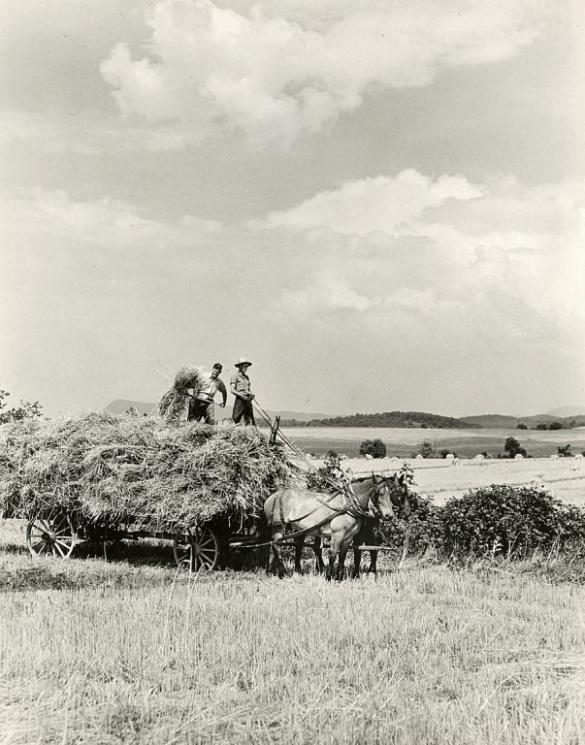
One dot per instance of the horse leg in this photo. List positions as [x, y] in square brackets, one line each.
[318, 554]
[346, 536]
[299, 543]
[373, 561]
[357, 558]
[333, 552]
[341, 563]
[277, 565]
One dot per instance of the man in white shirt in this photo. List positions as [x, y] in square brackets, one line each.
[201, 404]
[242, 390]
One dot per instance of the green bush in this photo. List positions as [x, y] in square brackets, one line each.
[426, 449]
[375, 448]
[513, 447]
[424, 527]
[510, 521]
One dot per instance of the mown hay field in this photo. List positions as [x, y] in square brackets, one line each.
[403, 441]
[564, 478]
[92, 652]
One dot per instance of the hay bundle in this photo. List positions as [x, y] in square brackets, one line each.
[138, 469]
[173, 404]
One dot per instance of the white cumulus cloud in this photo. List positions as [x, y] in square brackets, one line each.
[386, 204]
[277, 70]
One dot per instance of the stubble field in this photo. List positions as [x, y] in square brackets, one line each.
[109, 653]
[402, 441]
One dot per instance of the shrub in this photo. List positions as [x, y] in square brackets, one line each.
[555, 425]
[513, 448]
[502, 519]
[521, 425]
[426, 449]
[375, 448]
[26, 410]
[564, 451]
[424, 527]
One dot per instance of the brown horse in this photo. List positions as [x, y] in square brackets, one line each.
[337, 516]
[398, 483]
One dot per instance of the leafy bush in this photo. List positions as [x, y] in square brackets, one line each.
[424, 528]
[375, 448]
[555, 425]
[513, 448]
[426, 449]
[564, 451]
[26, 410]
[502, 519]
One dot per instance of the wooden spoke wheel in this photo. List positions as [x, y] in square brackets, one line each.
[196, 549]
[54, 535]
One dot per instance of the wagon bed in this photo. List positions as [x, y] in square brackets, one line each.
[203, 545]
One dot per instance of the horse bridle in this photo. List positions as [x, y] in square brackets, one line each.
[377, 487]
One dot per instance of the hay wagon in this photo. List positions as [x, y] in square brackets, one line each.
[102, 479]
[218, 542]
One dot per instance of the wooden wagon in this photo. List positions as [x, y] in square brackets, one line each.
[208, 545]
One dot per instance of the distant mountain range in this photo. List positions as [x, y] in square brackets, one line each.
[393, 419]
[414, 419]
[121, 405]
[501, 421]
[436, 421]
[570, 411]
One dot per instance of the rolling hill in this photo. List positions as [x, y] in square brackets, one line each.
[409, 419]
[121, 405]
[415, 419]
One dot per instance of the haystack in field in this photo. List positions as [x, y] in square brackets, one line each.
[122, 468]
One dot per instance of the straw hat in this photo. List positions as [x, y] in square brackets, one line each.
[243, 361]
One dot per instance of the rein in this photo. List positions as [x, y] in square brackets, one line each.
[353, 509]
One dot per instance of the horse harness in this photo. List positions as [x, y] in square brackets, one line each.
[353, 509]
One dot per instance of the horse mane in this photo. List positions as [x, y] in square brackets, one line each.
[362, 478]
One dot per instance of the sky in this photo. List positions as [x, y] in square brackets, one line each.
[380, 203]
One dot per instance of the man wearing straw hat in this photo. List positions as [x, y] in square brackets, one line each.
[241, 388]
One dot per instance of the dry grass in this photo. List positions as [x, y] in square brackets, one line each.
[120, 467]
[117, 653]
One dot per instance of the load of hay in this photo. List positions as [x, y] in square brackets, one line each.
[175, 402]
[122, 468]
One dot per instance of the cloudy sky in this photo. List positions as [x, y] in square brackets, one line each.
[381, 202]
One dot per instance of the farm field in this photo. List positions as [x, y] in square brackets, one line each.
[109, 653]
[401, 442]
[563, 477]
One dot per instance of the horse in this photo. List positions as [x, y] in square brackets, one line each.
[367, 534]
[337, 516]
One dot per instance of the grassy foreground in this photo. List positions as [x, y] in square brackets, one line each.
[111, 653]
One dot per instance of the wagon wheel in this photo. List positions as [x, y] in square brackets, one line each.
[54, 535]
[197, 548]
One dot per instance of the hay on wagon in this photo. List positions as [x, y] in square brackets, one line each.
[122, 468]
